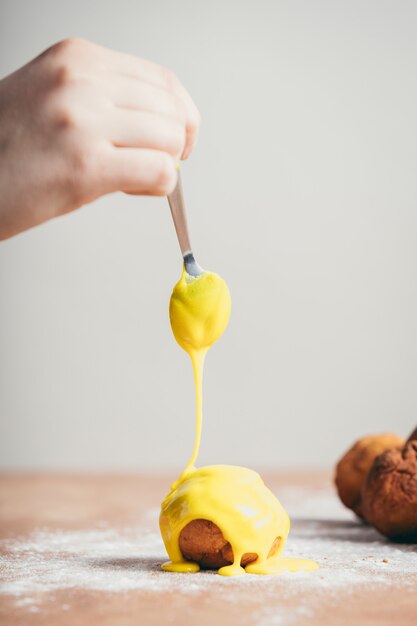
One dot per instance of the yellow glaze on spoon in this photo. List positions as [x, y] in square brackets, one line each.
[234, 498]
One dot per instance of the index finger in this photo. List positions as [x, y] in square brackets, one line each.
[147, 71]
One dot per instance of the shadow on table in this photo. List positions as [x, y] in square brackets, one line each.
[343, 530]
[143, 564]
[326, 529]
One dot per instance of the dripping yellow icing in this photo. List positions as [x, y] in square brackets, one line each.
[199, 311]
[235, 499]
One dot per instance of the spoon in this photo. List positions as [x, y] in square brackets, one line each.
[177, 206]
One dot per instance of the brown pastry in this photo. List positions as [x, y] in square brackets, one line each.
[202, 542]
[353, 467]
[389, 493]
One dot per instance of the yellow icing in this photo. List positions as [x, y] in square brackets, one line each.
[199, 311]
[234, 498]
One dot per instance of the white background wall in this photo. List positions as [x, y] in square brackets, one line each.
[302, 194]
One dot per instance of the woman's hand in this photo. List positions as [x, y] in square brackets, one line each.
[81, 121]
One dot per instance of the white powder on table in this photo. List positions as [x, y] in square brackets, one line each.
[121, 560]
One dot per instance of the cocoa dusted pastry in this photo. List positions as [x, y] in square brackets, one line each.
[354, 466]
[389, 495]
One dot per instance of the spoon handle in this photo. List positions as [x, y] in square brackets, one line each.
[177, 206]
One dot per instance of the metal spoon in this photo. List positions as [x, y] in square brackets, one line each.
[177, 206]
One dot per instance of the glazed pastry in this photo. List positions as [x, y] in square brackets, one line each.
[220, 516]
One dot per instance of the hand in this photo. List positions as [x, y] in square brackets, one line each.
[81, 121]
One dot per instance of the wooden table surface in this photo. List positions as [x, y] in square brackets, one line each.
[85, 549]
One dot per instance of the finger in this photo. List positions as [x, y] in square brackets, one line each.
[169, 98]
[192, 124]
[139, 171]
[141, 129]
[126, 92]
[142, 69]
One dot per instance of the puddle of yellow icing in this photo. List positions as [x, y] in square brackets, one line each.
[234, 498]
[182, 567]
